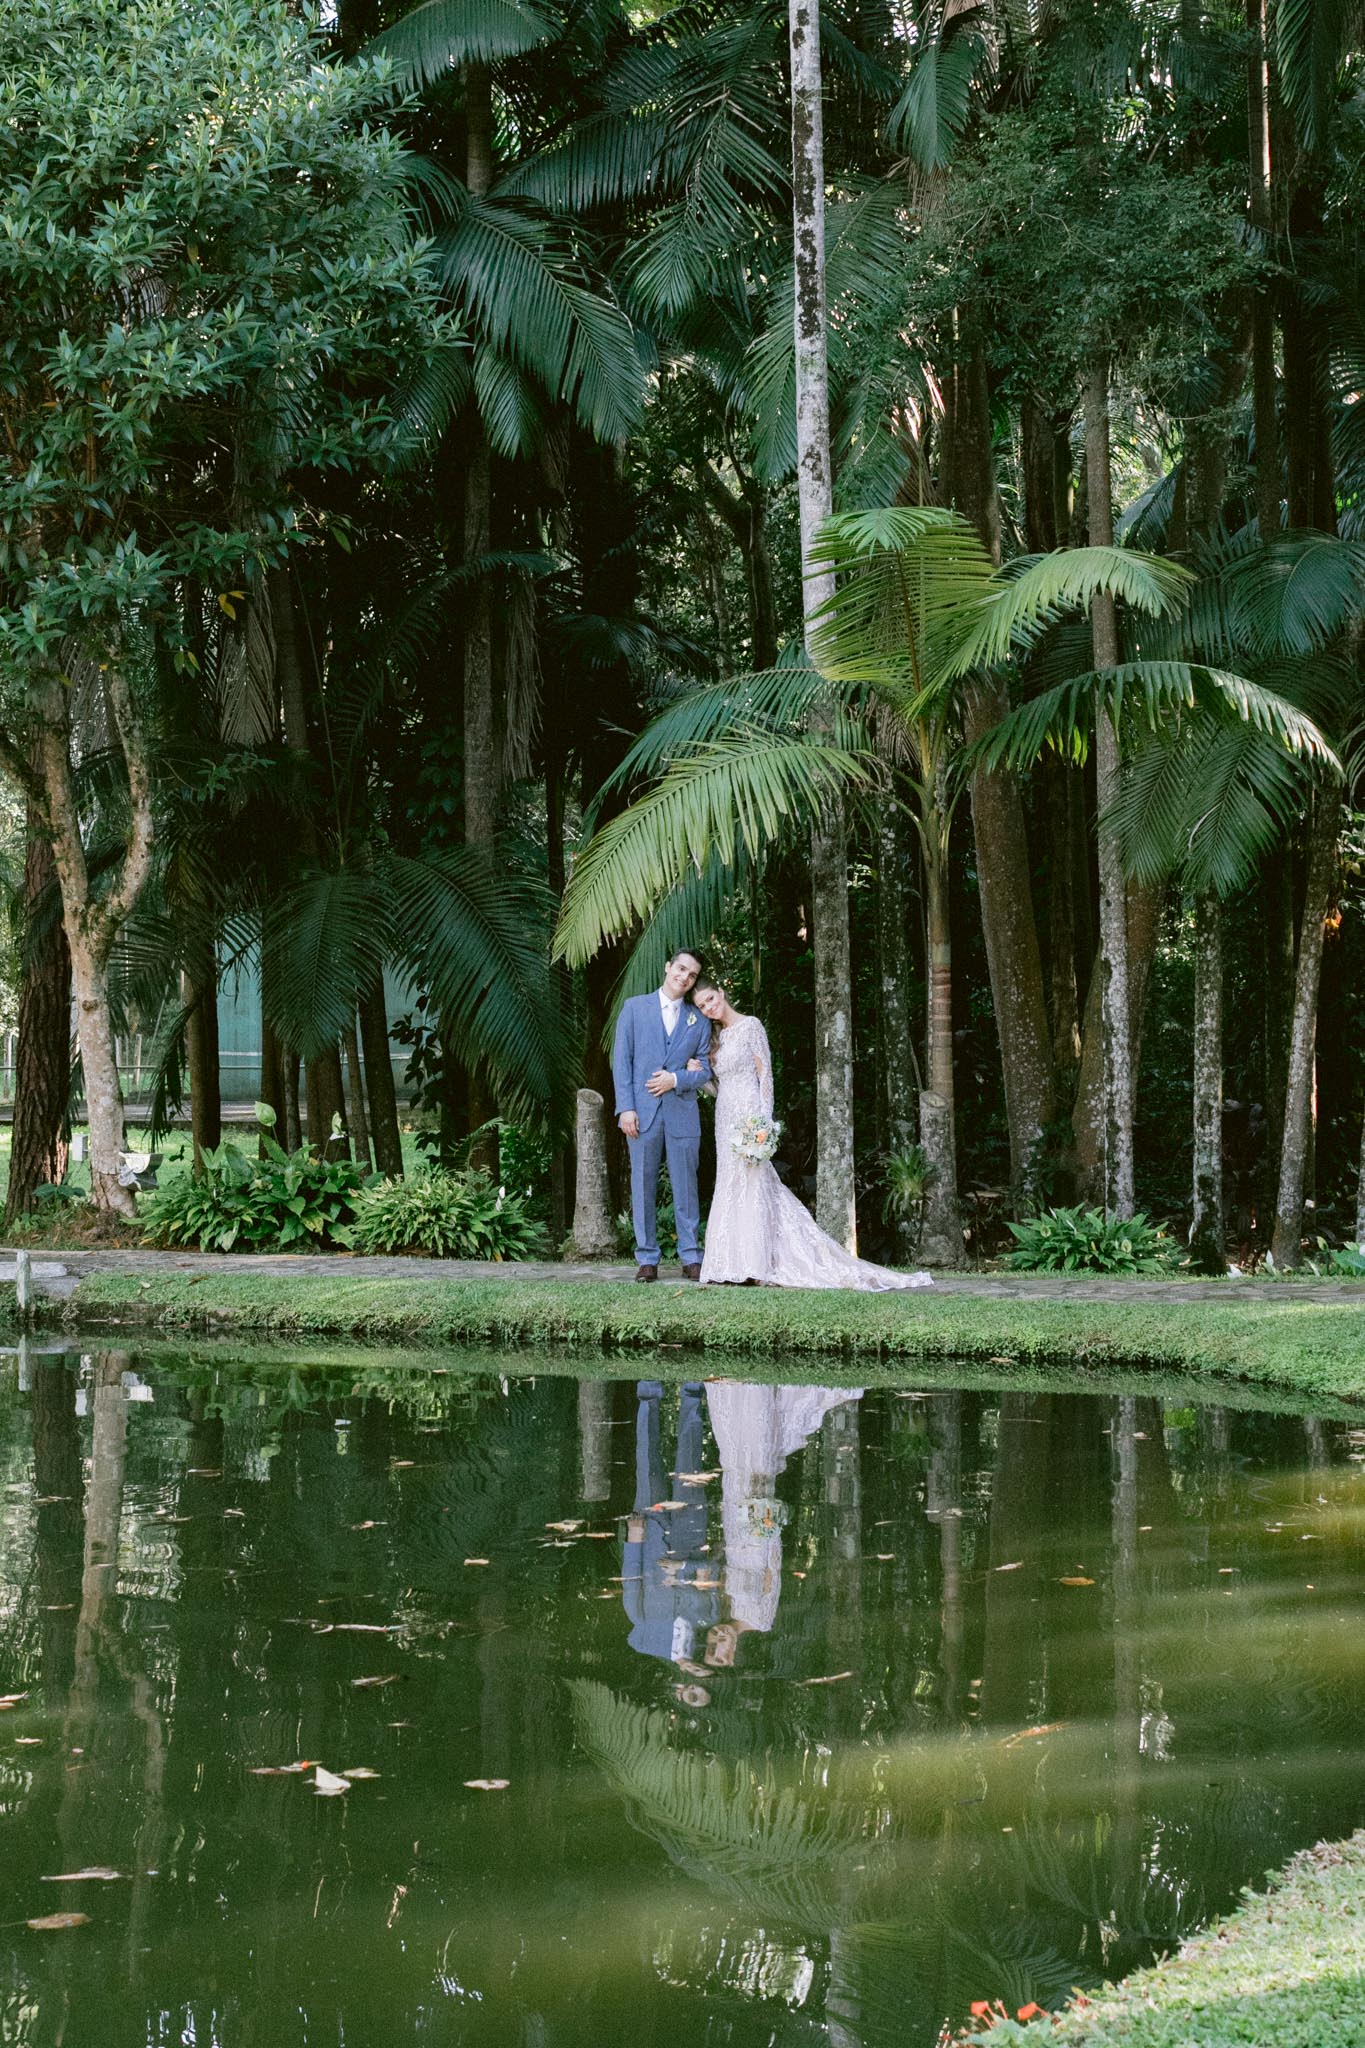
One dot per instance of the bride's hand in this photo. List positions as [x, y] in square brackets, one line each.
[694, 1066]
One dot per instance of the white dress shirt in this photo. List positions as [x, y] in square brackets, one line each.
[670, 1005]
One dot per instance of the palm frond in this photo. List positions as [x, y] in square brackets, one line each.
[475, 939]
[930, 117]
[1312, 38]
[435, 38]
[1293, 594]
[1205, 805]
[1140, 697]
[325, 939]
[732, 793]
[509, 404]
[523, 288]
[780, 699]
[1042, 589]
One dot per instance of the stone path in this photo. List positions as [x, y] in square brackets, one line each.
[58, 1273]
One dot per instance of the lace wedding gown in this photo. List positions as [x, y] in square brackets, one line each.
[757, 1230]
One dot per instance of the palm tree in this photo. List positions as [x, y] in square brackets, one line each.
[918, 609]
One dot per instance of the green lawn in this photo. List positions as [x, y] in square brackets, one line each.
[1286, 1971]
[1300, 1345]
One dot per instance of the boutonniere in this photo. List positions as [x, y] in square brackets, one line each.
[691, 1019]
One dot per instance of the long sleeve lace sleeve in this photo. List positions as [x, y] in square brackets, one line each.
[763, 1068]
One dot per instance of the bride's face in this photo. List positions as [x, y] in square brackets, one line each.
[711, 1003]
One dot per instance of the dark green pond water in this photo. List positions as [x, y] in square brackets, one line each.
[730, 1714]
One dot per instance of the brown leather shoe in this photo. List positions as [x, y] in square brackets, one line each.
[691, 1272]
[646, 1272]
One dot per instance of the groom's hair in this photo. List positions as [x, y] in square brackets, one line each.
[683, 953]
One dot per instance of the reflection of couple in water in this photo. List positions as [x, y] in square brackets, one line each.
[685, 1606]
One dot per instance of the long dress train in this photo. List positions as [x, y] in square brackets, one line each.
[757, 1229]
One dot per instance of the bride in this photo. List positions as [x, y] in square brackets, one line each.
[757, 1231]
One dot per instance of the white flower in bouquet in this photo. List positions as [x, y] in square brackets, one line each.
[757, 1137]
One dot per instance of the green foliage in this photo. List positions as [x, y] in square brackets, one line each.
[908, 1174]
[282, 1202]
[210, 277]
[446, 1215]
[1085, 1241]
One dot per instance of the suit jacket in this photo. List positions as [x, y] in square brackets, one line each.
[641, 1049]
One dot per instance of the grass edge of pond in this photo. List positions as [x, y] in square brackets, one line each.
[1301, 1346]
[1288, 1967]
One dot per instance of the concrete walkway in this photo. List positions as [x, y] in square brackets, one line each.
[58, 1273]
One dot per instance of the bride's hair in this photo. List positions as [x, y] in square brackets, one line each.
[704, 986]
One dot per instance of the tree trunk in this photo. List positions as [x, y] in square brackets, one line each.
[901, 1077]
[1265, 422]
[93, 923]
[941, 1240]
[1119, 1201]
[383, 1099]
[594, 1235]
[481, 755]
[1318, 896]
[1208, 1239]
[1144, 908]
[1003, 868]
[835, 1205]
[325, 1097]
[201, 1053]
[1360, 1192]
[41, 1136]
[1062, 792]
[357, 1121]
[293, 1121]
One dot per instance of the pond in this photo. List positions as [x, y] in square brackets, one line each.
[720, 1713]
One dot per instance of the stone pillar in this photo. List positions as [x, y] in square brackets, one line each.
[594, 1235]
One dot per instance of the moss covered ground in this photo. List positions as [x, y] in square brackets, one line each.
[1301, 1346]
[1285, 1971]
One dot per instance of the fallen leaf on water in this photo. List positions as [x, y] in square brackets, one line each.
[279, 1770]
[203, 1471]
[329, 1784]
[663, 1507]
[1026, 1734]
[96, 1874]
[833, 1679]
[695, 1478]
[360, 1771]
[234, 1514]
[11, 1699]
[32, 1741]
[51, 1923]
[565, 1527]
[389, 1678]
[886, 1557]
[49, 1500]
[476, 1560]
[598, 1535]
[1017, 1566]
[58, 1606]
[488, 1784]
[369, 1525]
[1075, 1582]
[401, 1464]
[368, 1628]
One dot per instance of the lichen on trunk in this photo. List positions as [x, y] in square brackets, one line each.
[1208, 1246]
[1286, 1244]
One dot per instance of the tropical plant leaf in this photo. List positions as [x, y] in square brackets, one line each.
[438, 36]
[727, 794]
[324, 940]
[1040, 590]
[930, 117]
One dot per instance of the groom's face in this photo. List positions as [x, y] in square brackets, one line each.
[679, 975]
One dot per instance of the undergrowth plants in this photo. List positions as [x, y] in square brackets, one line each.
[446, 1213]
[1086, 1241]
[280, 1201]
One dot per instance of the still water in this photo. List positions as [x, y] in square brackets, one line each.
[676, 1714]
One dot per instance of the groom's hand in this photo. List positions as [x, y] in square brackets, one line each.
[662, 1081]
[629, 1123]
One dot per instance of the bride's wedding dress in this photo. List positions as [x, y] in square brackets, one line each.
[757, 1230]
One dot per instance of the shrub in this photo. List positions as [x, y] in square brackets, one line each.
[1085, 1241]
[446, 1214]
[282, 1202]
[1347, 1262]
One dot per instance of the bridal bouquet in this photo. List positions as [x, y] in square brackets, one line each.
[757, 1137]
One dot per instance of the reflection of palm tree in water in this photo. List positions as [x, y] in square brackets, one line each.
[665, 1545]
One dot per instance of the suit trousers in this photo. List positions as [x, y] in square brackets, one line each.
[646, 1154]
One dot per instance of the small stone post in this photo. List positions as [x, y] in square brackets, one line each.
[594, 1236]
[23, 1288]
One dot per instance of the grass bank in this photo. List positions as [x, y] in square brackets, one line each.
[1285, 1971]
[1301, 1346]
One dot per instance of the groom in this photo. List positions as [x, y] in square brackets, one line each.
[656, 1108]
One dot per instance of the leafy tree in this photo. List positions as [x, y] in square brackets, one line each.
[208, 258]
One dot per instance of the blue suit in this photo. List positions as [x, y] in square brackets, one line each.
[669, 1124]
